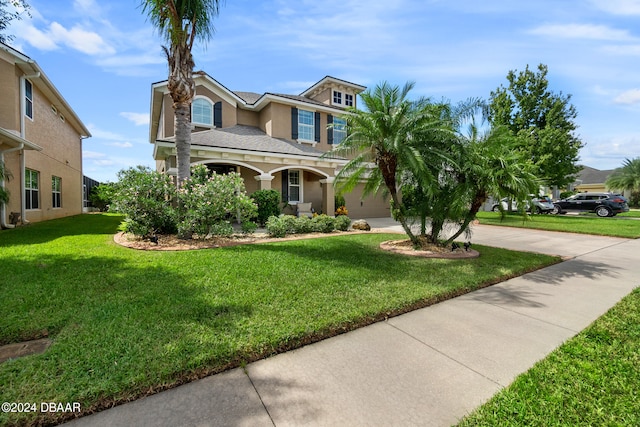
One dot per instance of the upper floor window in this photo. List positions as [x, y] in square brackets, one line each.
[202, 112]
[337, 97]
[306, 125]
[28, 99]
[348, 100]
[339, 130]
[31, 192]
[56, 192]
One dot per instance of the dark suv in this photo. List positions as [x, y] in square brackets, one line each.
[603, 204]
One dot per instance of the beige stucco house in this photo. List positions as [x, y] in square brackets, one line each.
[275, 141]
[40, 144]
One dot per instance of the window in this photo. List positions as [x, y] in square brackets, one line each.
[56, 192]
[337, 97]
[348, 100]
[294, 186]
[31, 189]
[339, 130]
[306, 125]
[202, 112]
[28, 99]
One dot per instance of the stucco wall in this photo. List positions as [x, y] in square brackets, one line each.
[370, 207]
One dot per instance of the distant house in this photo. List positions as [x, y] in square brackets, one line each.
[591, 180]
[40, 144]
[274, 140]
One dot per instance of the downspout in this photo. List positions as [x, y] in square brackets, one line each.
[23, 205]
[3, 208]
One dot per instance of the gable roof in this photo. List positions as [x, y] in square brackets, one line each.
[328, 80]
[590, 175]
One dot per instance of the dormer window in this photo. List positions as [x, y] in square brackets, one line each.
[337, 97]
[348, 100]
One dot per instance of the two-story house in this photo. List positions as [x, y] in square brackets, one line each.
[40, 144]
[275, 141]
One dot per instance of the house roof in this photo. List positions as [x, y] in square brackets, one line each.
[249, 138]
[31, 68]
[328, 80]
[590, 175]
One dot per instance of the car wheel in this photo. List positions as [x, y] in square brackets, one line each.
[603, 211]
[556, 210]
[495, 208]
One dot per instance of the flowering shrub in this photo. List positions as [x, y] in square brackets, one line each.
[342, 210]
[209, 204]
[144, 197]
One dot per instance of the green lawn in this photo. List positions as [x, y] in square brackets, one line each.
[616, 226]
[591, 380]
[127, 322]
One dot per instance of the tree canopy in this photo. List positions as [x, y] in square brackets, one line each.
[627, 177]
[11, 10]
[543, 121]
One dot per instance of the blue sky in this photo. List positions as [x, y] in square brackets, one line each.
[104, 56]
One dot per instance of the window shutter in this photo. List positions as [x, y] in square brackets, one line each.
[316, 132]
[217, 114]
[329, 129]
[294, 123]
[285, 185]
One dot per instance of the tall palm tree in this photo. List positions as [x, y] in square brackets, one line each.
[182, 22]
[382, 141]
[627, 177]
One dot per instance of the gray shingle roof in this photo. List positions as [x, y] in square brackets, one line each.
[590, 175]
[248, 97]
[251, 139]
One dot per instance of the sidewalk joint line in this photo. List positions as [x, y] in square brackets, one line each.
[445, 355]
[246, 372]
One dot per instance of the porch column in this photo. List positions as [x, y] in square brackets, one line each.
[265, 180]
[328, 196]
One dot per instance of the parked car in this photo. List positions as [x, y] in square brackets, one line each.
[541, 204]
[603, 204]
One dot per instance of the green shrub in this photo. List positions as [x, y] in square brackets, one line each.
[144, 197]
[249, 227]
[268, 202]
[323, 223]
[276, 226]
[207, 203]
[342, 223]
[566, 194]
[303, 224]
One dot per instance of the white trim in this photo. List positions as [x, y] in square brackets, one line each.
[301, 167]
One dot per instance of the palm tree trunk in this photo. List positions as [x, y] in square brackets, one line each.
[478, 200]
[183, 140]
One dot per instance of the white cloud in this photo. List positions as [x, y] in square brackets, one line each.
[629, 97]
[120, 144]
[92, 155]
[582, 31]
[79, 39]
[618, 7]
[139, 119]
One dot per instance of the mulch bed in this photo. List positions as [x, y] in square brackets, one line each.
[405, 247]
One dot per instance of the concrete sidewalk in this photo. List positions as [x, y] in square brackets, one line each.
[429, 367]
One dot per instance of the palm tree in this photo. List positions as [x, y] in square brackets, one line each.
[386, 136]
[182, 22]
[627, 177]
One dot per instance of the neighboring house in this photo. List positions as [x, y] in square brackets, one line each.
[275, 141]
[591, 180]
[40, 143]
[88, 185]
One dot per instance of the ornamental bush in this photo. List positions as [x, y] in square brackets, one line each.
[323, 223]
[144, 197]
[208, 204]
[342, 222]
[268, 202]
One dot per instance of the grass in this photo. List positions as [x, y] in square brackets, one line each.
[591, 380]
[126, 323]
[585, 224]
